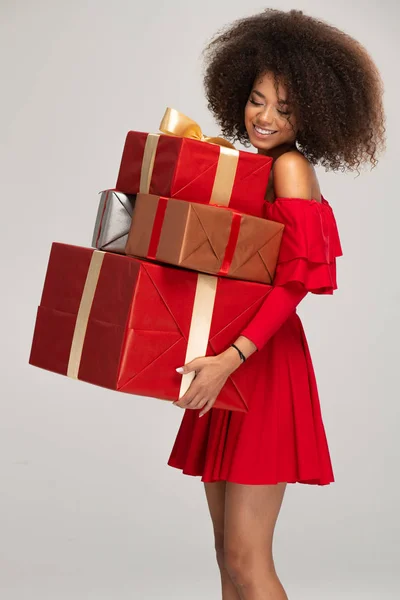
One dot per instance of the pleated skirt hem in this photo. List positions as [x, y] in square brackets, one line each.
[246, 481]
[282, 437]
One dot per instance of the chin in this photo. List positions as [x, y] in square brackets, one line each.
[263, 144]
[260, 145]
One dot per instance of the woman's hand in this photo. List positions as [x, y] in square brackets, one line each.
[211, 374]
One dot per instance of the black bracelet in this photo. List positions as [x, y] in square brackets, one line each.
[242, 356]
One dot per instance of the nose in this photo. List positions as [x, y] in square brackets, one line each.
[265, 116]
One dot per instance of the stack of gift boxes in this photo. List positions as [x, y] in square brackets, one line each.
[176, 270]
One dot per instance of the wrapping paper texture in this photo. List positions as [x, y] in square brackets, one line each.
[187, 169]
[138, 325]
[205, 238]
[113, 221]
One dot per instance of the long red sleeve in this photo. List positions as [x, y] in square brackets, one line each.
[306, 263]
[276, 308]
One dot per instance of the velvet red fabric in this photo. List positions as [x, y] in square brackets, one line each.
[282, 437]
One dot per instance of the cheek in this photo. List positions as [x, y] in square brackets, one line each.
[289, 128]
[248, 112]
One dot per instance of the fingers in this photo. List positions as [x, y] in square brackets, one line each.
[193, 404]
[193, 365]
[197, 396]
[207, 406]
[191, 398]
[196, 401]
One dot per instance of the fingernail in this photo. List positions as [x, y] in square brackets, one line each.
[179, 370]
[201, 414]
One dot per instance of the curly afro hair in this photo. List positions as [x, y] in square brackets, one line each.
[332, 83]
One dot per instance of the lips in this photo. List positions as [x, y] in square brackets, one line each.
[261, 132]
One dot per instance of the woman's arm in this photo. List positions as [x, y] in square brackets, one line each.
[274, 311]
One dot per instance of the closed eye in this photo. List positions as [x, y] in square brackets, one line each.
[282, 112]
[255, 103]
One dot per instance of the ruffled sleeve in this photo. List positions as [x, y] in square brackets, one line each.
[310, 243]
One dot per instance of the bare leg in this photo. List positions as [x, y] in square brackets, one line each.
[215, 494]
[251, 512]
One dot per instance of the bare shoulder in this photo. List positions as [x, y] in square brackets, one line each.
[294, 177]
[292, 159]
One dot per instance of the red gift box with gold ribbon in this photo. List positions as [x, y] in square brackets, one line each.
[184, 164]
[126, 324]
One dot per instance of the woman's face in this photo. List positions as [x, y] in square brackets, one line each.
[265, 112]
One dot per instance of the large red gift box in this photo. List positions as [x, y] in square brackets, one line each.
[192, 170]
[125, 323]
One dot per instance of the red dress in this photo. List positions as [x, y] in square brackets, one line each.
[282, 437]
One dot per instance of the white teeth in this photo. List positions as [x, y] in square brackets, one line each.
[264, 131]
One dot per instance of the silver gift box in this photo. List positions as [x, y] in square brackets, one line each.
[113, 221]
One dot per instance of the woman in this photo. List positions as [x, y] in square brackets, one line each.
[302, 92]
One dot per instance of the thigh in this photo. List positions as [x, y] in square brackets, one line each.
[215, 494]
[251, 512]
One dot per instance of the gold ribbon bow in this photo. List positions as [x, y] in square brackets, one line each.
[176, 123]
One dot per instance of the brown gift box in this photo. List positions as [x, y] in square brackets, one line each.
[203, 237]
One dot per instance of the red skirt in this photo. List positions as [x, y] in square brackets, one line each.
[282, 437]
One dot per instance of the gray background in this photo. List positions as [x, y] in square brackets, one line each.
[88, 507]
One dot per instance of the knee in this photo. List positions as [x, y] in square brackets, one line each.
[238, 564]
[242, 563]
[219, 547]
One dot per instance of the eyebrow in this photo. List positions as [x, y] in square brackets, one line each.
[262, 96]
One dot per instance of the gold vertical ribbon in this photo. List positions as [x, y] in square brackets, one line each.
[82, 318]
[200, 323]
[225, 176]
[149, 156]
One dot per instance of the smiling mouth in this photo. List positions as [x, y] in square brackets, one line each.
[264, 132]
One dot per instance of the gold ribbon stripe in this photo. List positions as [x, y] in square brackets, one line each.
[82, 318]
[225, 176]
[200, 323]
[149, 156]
